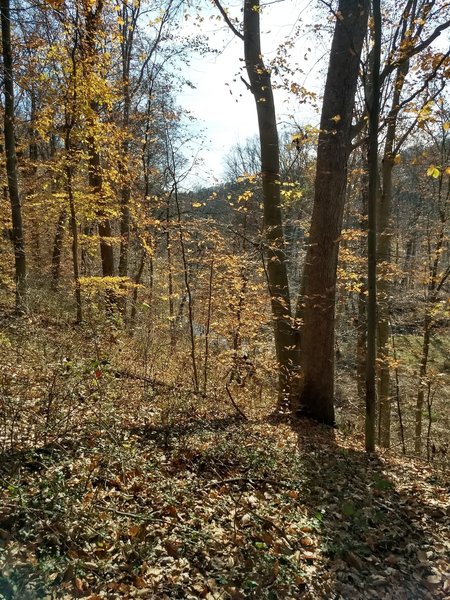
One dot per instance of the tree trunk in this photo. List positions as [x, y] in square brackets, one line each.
[104, 224]
[57, 248]
[374, 117]
[137, 281]
[35, 242]
[361, 334]
[422, 384]
[125, 193]
[261, 88]
[11, 159]
[317, 302]
[93, 25]
[384, 251]
[435, 284]
[73, 224]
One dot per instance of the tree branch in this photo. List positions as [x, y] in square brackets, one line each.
[228, 20]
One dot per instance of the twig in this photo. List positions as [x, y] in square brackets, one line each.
[252, 480]
[122, 513]
[238, 410]
[228, 20]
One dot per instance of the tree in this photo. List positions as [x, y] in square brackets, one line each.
[437, 272]
[11, 159]
[316, 307]
[90, 54]
[261, 87]
[131, 80]
[413, 23]
[373, 110]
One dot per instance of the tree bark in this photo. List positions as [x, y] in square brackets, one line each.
[93, 24]
[35, 241]
[74, 231]
[57, 248]
[261, 88]
[104, 224]
[374, 116]
[316, 305]
[11, 159]
[384, 258]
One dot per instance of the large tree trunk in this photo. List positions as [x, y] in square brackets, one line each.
[11, 159]
[317, 303]
[261, 88]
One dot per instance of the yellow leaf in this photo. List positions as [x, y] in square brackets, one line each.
[446, 126]
[336, 118]
[433, 171]
[196, 204]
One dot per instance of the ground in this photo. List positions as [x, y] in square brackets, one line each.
[116, 487]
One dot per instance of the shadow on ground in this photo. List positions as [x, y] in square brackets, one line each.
[376, 538]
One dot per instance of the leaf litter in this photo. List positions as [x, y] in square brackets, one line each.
[121, 498]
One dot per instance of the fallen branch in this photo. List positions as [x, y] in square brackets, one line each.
[238, 410]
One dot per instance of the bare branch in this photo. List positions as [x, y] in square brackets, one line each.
[228, 20]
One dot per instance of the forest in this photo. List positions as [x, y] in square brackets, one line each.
[233, 390]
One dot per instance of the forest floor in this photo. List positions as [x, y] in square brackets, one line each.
[120, 494]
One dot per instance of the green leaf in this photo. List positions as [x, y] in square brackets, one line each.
[380, 483]
[348, 508]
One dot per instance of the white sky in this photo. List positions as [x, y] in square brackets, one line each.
[227, 118]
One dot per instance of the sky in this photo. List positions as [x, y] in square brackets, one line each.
[223, 108]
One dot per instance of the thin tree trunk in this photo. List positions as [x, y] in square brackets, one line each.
[95, 175]
[261, 88]
[74, 231]
[208, 327]
[361, 343]
[73, 218]
[373, 113]
[137, 281]
[11, 159]
[316, 305]
[384, 243]
[422, 384]
[397, 396]
[32, 173]
[57, 248]
[187, 284]
[104, 224]
[170, 277]
[436, 282]
[125, 192]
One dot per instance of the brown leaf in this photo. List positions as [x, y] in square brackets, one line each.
[353, 560]
[139, 582]
[78, 584]
[434, 580]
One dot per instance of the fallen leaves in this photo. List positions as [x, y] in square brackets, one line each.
[249, 510]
